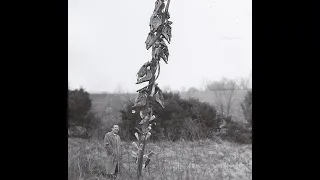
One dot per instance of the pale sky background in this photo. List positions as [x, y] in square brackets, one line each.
[211, 39]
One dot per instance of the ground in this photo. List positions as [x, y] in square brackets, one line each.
[208, 159]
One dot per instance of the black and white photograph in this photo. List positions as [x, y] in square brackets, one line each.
[159, 90]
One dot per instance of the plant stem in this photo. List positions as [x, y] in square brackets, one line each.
[140, 159]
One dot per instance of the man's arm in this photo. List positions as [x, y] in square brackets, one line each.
[107, 144]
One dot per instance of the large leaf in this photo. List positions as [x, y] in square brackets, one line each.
[138, 130]
[134, 154]
[145, 112]
[159, 98]
[145, 89]
[166, 32]
[135, 145]
[148, 159]
[153, 117]
[147, 163]
[155, 22]
[150, 39]
[164, 57]
[159, 6]
[144, 120]
[150, 154]
[141, 100]
[148, 135]
[142, 71]
[160, 50]
[166, 52]
[147, 77]
[137, 136]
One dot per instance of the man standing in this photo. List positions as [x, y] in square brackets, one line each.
[112, 143]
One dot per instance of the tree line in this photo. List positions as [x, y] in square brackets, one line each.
[187, 119]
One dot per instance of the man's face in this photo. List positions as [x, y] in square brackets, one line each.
[115, 129]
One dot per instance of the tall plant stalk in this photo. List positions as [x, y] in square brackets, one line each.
[160, 30]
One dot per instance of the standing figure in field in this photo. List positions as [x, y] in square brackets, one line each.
[112, 144]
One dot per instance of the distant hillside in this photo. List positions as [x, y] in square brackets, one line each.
[108, 106]
[210, 98]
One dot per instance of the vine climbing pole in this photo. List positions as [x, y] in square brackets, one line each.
[160, 30]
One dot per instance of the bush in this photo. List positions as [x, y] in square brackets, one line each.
[189, 119]
[82, 122]
[246, 106]
[237, 132]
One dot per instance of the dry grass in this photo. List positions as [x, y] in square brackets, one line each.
[180, 160]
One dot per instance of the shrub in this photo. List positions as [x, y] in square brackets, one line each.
[82, 122]
[246, 106]
[189, 119]
[235, 131]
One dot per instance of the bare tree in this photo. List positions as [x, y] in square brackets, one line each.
[183, 89]
[191, 91]
[167, 88]
[122, 99]
[108, 112]
[244, 83]
[250, 80]
[205, 84]
[224, 91]
[119, 89]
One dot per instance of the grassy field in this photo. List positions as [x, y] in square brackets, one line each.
[115, 102]
[180, 160]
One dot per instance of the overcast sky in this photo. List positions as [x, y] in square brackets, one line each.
[210, 39]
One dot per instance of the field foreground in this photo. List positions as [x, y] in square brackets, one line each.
[202, 160]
